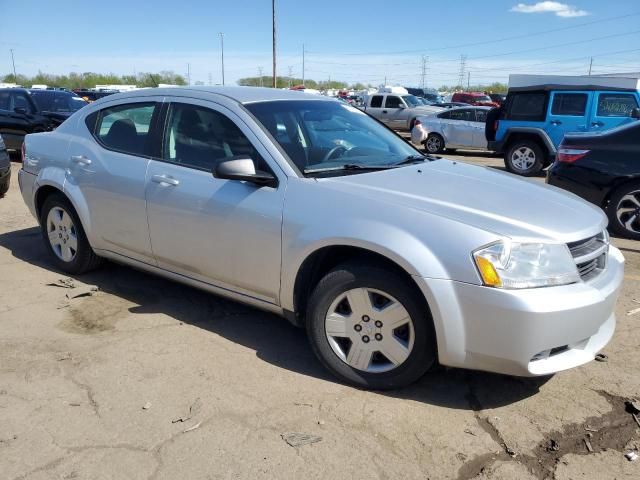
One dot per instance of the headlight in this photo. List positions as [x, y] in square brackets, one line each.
[525, 265]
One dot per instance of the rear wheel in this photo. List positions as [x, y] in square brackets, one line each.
[624, 211]
[524, 157]
[370, 328]
[64, 236]
[434, 143]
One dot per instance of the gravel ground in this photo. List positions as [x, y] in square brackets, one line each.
[148, 379]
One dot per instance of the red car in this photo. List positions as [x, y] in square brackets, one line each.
[474, 98]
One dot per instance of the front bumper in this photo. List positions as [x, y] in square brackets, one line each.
[524, 332]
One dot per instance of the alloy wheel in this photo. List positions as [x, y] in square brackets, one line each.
[433, 144]
[369, 330]
[628, 211]
[523, 158]
[62, 234]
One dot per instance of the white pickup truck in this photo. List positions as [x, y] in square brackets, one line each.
[396, 108]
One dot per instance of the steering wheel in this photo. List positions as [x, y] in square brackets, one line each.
[333, 151]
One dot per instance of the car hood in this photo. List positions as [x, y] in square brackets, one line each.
[483, 197]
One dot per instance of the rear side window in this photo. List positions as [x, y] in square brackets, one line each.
[463, 115]
[125, 128]
[376, 101]
[616, 104]
[569, 104]
[527, 106]
[444, 115]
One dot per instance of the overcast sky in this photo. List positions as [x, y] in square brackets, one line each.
[365, 41]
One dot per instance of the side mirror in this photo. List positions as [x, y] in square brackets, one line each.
[20, 110]
[635, 113]
[401, 106]
[243, 168]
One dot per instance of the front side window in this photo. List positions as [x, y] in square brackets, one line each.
[376, 101]
[393, 102]
[569, 104]
[325, 134]
[481, 115]
[125, 128]
[199, 137]
[527, 107]
[616, 104]
[411, 100]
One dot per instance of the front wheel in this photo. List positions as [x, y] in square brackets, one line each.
[525, 158]
[370, 327]
[624, 211]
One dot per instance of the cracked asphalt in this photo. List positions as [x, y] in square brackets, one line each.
[148, 379]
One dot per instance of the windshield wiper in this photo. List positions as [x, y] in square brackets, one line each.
[347, 166]
[412, 159]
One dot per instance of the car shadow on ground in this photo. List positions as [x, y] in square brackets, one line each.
[272, 338]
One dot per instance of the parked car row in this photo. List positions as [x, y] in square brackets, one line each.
[25, 111]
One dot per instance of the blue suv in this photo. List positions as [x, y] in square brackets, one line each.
[530, 125]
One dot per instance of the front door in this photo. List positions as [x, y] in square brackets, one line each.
[394, 113]
[479, 138]
[568, 112]
[223, 232]
[108, 164]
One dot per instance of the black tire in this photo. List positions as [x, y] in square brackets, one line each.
[434, 143]
[84, 259]
[4, 184]
[617, 220]
[525, 148]
[351, 276]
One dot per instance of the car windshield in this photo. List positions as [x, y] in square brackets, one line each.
[61, 102]
[318, 134]
[411, 100]
[481, 98]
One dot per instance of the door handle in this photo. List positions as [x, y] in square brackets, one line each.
[597, 124]
[165, 179]
[556, 122]
[80, 160]
[384, 111]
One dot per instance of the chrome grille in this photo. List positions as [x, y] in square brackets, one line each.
[590, 255]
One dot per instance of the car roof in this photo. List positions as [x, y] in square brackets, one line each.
[240, 94]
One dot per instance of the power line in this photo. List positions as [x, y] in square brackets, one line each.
[487, 42]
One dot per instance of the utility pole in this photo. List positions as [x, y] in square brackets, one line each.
[290, 74]
[15, 77]
[424, 70]
[260, 75]
[210, 79]
[468, 81]
[273, 11]
[463, 66]
[303, 64]
[222, 55]
[188, 74]
[590, 66]
[385, 81]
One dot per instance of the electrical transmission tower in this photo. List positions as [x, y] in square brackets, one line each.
[463, 68]
[424, 71]
[290, 75]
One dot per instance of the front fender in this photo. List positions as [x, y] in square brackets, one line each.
[399, 246]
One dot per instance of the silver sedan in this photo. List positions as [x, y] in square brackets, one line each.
[455, 128]
[307, 207]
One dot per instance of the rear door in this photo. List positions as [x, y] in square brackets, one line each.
[612, 109]
[568, 112]
[374, 108]
[460, 127]
[108, 165]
